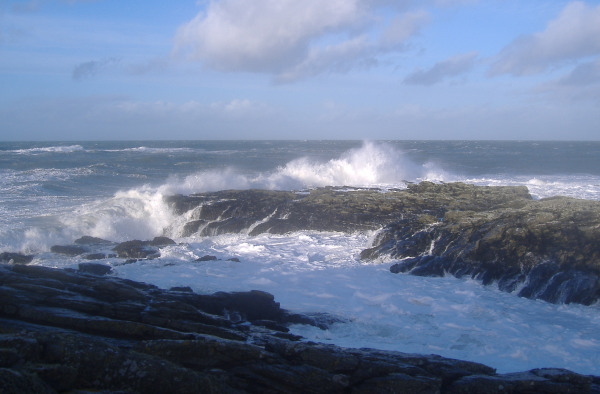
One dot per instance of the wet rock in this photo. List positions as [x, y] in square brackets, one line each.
[88, 240]
[183, 289]
[95, 269]
[68, 250]
[548, 248]
[207, 258]
[97, 256]
[161, 242]
[135, 249]
[15, 258]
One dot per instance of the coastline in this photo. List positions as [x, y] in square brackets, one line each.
[72, 331]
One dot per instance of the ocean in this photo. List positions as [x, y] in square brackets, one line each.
[52, 193]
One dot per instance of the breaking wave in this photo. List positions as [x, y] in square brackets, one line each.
[371, 165]
[50, 149]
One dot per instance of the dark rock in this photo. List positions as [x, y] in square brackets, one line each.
[234, 259]
[183, 289]
[62, 331]
[534, 381]
[135, 249]
[16, 258]
[95, 269]
[548, 248]
[96, 256]
[69, 250]
[207, 258]
[88, 240]
[16, 382]
[161, 242]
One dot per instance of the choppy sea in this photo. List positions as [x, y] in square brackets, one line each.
[54, 192]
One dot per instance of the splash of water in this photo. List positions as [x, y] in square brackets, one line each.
[372, 164]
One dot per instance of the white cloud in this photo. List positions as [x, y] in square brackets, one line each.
[292, 39]
[573, 35]
[450, 67]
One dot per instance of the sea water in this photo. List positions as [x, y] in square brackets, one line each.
[53, 193]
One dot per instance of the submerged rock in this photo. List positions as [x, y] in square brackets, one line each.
[15, 258]
[61, 331]
[88, 240]
[136, 249]
[207, 258]
[69, 250]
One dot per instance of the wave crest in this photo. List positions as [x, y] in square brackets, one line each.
[51, 149]
[370, 165]
[373, 164]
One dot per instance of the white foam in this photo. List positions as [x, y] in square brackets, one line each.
[542, 186]
[371, 165]
[146, 149]
[133, 214]
[50, 149]
[321, 272]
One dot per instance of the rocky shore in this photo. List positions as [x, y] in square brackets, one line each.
[73, 331]
[543, 249]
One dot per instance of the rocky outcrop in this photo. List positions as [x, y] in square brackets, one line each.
[547, 249]
[329, 208]
[71, 331]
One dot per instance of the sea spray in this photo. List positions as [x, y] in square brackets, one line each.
[373, 164]
[133, 214]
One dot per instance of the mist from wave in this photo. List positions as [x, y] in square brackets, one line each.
[370, 165]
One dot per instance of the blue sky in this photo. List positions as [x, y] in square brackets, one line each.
[299, 69]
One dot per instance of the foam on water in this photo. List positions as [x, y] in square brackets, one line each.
[50, 149]
[540, 186]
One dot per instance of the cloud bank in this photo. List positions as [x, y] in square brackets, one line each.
[573, 35]
[291, 39]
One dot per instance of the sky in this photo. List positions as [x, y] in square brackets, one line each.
[299, 69]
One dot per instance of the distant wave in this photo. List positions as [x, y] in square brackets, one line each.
[145, 149]
[50, 149]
